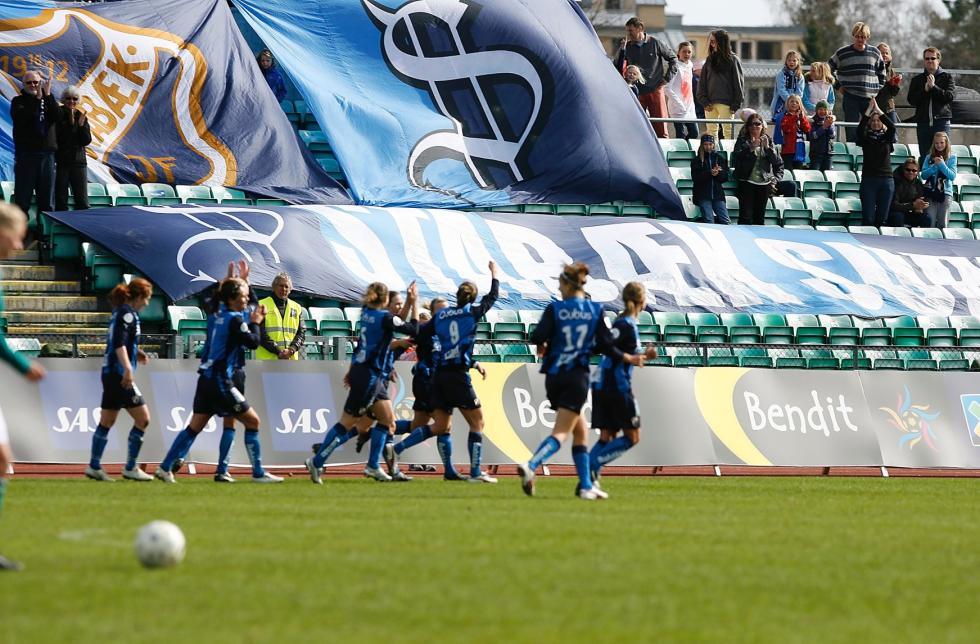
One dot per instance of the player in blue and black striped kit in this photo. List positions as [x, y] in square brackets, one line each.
[217, 393]
[565, 336]
[613, 406]
[122, 353]
[367, 378]
[454, 328]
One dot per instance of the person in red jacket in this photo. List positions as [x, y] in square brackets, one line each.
[795, 128]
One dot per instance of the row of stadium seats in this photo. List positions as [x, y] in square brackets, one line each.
[845, 156]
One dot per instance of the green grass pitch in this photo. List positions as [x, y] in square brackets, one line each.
[665, 559]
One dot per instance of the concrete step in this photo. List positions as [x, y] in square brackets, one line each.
[26, 272]
[23, 256]
[52, 303]
[55, 318]
[39, 287]
[48, 329]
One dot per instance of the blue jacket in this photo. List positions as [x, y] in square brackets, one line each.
[780, 91]
[939, 173]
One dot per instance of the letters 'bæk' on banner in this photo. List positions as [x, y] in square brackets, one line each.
[455, 103]
[335, 251]
[172, 93]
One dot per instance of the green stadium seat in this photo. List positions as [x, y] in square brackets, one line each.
[801, 319]
[896, 231]
[958, 363]
[604, 209]
[786, 362]
[674, 145]
[660, 361]
[194, 192]
[889, 363]
[764, 320]
[637, 211]
[823, 363]
[863, 230]
[96, 190]
[682, 178]
[959, 233]
[131, 201]
[123, 190]
[860, 363]
[158, 191]
[572, 209]
[813, 183]
[680, 158]
[927, 233]
[539, 208]
[703, 319]
[836, 177]
[221, 193]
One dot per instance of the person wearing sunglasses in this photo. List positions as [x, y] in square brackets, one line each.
[33, 113]
[73, 135]
[908, 204]
[931, 94]
[758, 169]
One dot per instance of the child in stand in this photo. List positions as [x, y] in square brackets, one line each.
[819, 87]
[822, 135]
[709, 170]
[795, 128]
[634, 78]
[938, 174]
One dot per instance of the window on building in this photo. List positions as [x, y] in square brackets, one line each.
[744, 50]
[614, 5]
[769, 50]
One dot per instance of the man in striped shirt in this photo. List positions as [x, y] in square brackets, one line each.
[860, 72]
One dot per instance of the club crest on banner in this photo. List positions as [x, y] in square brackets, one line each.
[496, 97]
[115, 87]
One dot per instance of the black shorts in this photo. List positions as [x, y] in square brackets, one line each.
[614, 410]
[452, 388]
[364, 385]
[568, 389]
[115, 397]
[219, 397]
[422, 391]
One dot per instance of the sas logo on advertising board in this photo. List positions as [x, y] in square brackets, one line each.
[971, 412]
[173, 397]
[71, 403]
[300, 407]
[913, 420]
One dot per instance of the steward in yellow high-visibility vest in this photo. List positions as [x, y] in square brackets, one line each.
[282, 332]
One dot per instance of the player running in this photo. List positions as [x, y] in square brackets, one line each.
[13, 226]
[613, 405]
[122, 354]
[454, 329]
[216, 391]
[367, 377]
[565, 336]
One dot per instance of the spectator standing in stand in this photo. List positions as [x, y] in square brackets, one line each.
[73, 135]
[33, 113]
[680, 94]
[281, 334]
[722, 85]
[860, 72]
[931, 93]
[658, 64]
[893, 81]
[271, 74]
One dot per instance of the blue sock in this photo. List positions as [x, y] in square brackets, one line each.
[135, 444]
[403, 426]
[254, 452]
[224, 449]
[421, 434]
[180, 447]
[580, 455]
[611, 452]
[545, 450]
[594, 456]
[99, 440]
[337, 435]
[445, 446]
[379, 434]
[475, 443]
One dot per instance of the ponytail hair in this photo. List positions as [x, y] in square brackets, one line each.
[376, 295]
[574, 274]
[635, 294]
[122, 293]
[466, 293]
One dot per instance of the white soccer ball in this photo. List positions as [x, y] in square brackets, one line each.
[160, 544]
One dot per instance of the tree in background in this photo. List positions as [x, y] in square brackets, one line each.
[823, 31]
[957, 35]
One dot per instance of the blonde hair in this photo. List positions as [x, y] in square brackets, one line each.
[376, 295]
[932, 148]
[11, 216]
[861, 29]
[821, 72]
[793, 98]
[574, 275]
[639, 74]
[633, 294]
[799, 62]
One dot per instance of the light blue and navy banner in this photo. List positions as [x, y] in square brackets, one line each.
[335, 251]
[172, 93]
[454, 103]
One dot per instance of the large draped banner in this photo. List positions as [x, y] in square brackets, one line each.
[335, 251]
[714, 415]
[172, 93]
[453, 103]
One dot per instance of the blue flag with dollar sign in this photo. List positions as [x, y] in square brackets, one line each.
[455, 103]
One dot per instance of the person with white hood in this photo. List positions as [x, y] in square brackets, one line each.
[680, 94]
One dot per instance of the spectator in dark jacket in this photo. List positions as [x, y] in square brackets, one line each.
[758, 168]
[33, 113]
[271, 73]
[874, 135]
[931, 94]
[709, 170]
[658, 64]
[73, 135]
[908, 204]
[721, 87]
[888, 92]
[822, 135]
